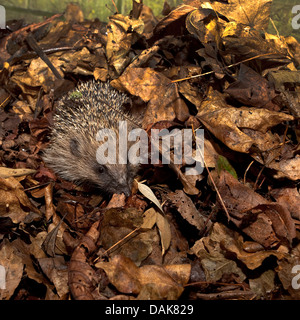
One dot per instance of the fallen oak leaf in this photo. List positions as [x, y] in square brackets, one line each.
[255, 14]
[161, 95]
[226, 122]
[122, 233]
[121, 34]
[265, 222]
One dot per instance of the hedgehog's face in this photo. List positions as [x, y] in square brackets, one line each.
[109, 178]
[113, 178]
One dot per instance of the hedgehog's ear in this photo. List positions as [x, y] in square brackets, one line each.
[74, 147]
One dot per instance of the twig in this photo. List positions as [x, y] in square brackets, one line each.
[115, 6]
[34, 46]
[215, 283]
[3, 102]
[118, 242]
[33, 27]
[273, 24]
[258, 176]
[212, 180]
[223, 68]
[247, 170]
[236, 294]
[36, 187]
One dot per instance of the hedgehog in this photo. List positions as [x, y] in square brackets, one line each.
[72, 151]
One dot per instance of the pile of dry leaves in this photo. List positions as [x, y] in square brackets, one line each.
[231, 232]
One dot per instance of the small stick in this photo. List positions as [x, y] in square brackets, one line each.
[34, 46]
[247, 170]
[213, 182]
[115, 6]
[231, 65]
[128, 235]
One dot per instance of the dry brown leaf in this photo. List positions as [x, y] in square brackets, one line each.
[117, 201]
[252, 89]
[148, 193]
[164, 231]
[117, 224]
[164, 102]
[121, 34]
[38, 75]
[264, 284]
[287, 275]
[252, 13]
[14, 203]
[225, 122]
[73, 62]
[213, 261]
[265, 222]
[26, 251]
[101, 74]
[8, 172]
[290, 197]
[252, 260]
[10, 260]
[149, 219]
[128, 278]
[289, 168]
[188, 187]
[187, 209]
[122, 273]
[204, 24]
[172, 23]
[57, 272]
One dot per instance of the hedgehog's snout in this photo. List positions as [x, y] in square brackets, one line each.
[126, 190]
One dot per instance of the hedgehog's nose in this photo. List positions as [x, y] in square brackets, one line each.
[126, 190]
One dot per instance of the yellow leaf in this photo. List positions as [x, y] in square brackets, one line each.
[149, 219]
[148, 193]
[8, 172]
[164, 231]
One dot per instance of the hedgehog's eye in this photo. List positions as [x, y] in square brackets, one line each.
[100, 169]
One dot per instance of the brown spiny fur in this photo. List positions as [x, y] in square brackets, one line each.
[72, 151]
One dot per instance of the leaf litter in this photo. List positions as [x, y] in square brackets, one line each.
[231, 232]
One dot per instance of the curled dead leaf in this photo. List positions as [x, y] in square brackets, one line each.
[128, 278]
